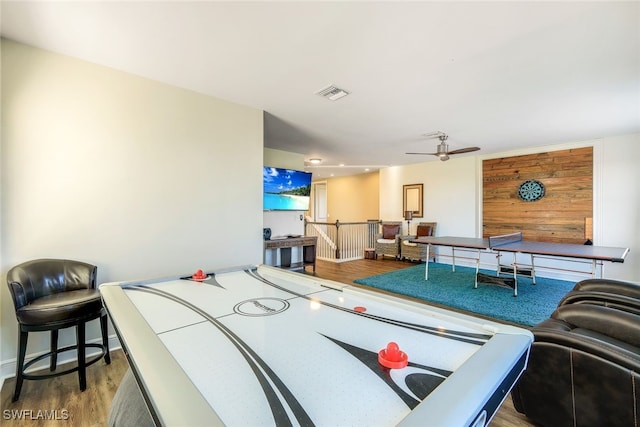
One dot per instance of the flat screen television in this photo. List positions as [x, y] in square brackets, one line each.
[285, 189]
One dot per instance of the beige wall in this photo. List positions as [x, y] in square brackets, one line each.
[353, 198]
[283, 159]
[140, 178]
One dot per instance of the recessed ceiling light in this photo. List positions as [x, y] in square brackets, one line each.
[315, 161]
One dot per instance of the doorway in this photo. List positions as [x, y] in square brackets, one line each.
[320, 202]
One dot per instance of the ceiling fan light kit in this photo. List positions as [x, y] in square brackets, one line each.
[442, 151]
[443, 148]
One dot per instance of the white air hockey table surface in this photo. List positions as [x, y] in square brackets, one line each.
[262, 346]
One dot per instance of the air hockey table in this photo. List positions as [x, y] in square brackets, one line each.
[258, 345]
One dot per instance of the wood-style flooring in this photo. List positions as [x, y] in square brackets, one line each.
[61, 398]
[42, 401]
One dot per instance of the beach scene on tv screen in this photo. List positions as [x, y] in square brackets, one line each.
[286, 189]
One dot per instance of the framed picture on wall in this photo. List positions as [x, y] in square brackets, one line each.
[412, 199]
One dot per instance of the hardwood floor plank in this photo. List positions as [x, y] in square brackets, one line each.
[42, 401]
[61, 397]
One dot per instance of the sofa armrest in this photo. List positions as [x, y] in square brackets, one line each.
[619, 302]
[609, 322]
[610, 286]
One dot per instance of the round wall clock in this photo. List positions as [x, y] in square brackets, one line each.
[531, 190]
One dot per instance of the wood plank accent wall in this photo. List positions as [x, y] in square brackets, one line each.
[560, 216]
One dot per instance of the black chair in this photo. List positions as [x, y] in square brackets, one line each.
[53, 294]
[583, 370]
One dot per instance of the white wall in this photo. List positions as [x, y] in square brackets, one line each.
[449, 194]
[453, 197]
[616, 217]
[140, 178]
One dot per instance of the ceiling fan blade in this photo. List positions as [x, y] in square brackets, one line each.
[429, 154]
[464, 150]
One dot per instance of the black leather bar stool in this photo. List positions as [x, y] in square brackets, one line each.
[53, 294]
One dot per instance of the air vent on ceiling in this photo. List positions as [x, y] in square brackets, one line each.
[332, 93]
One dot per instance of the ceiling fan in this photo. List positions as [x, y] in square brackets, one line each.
[443, 148]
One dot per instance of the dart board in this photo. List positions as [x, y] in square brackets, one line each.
[531, 190]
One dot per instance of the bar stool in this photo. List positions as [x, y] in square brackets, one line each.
[53, 294]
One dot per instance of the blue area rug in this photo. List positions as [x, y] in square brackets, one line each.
[533, 304]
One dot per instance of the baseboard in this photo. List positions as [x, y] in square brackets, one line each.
[8, 367]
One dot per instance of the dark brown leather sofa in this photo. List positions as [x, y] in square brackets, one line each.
[584, 365]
